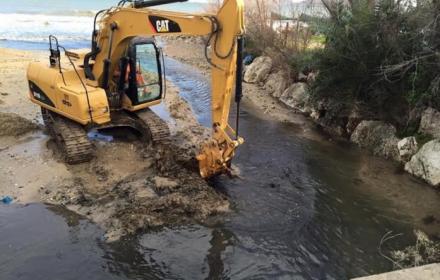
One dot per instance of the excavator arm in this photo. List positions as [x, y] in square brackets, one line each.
[119, 25]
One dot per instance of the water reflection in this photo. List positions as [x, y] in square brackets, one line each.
[49, 243]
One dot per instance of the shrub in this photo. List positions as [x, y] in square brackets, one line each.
[383, 53]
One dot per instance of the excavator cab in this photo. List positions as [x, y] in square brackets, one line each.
[144, 71]
[140, 74]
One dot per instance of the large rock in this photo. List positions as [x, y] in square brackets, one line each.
[295, 96]
[276, 83]
[426, 163]
[259, 70]
[407, 148]
[378, 137]
[430, 122]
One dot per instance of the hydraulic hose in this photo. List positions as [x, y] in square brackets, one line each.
[239, 81]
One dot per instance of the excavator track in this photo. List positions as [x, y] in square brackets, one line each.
[70, 137]
[158, 128]
[159, 135]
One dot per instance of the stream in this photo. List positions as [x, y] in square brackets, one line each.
[302, 209]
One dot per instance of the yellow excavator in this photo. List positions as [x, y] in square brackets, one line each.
[123, 75]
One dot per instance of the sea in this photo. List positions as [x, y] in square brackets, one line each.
[27, 24]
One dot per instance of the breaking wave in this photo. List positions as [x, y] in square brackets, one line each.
[38, 27]
[71, 22]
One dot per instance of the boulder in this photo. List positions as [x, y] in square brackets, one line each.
[259, 70]
[378, 137]
[295, 96]
[407, 148]
[276, 83]
[426, 163]
[430, 122]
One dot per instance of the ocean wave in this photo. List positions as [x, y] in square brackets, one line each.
[37, 27]
[32, 21]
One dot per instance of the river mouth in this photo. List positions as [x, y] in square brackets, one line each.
[302, 209]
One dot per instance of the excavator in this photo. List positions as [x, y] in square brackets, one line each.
[123, 75]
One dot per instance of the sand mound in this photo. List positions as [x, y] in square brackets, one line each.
[12, 124]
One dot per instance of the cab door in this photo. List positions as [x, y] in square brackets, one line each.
[144, 72]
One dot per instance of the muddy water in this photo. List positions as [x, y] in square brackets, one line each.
[302, 209]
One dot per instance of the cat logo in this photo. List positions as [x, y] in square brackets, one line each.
[163, 26]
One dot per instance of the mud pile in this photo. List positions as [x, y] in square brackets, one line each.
[164, 193]
[12, 124]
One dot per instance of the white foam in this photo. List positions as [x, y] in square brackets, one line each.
[37, 27]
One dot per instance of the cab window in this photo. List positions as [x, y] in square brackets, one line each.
[147, 73]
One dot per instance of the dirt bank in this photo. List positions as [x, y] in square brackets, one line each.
[127, 187]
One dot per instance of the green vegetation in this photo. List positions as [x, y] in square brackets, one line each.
[318, 39]
[383, 54]
[304, 61]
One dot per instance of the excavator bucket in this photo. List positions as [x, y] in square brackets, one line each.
[216, 156]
